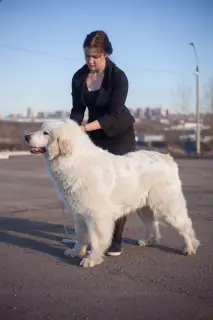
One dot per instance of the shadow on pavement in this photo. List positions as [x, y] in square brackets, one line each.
[133, 242]
[46, 230]
[14, 231]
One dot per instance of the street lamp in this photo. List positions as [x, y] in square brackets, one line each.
[197, 101]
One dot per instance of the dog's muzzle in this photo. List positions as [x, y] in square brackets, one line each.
[35, 150]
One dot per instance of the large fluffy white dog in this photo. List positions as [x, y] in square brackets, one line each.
[99, 187]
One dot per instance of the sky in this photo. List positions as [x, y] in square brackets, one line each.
[41, 48]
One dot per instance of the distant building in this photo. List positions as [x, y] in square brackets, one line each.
[31, 113]
[43, 115]
[139, 113]
[60, 114]
[148, 113]
[159, 112]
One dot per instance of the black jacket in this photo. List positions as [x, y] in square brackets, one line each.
[117, 133]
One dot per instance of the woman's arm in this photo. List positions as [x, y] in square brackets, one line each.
[92, 126]
[78, 109]
[117, 101]
[116, 119]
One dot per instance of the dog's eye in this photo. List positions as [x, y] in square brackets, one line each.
[46, 133]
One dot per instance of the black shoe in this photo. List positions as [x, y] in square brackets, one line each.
[114, 250]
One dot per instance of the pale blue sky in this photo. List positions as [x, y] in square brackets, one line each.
[150, 40]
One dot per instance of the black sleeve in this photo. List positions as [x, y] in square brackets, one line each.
[78, 109]
[118, 118]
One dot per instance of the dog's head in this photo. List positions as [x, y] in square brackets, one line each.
[53, 139]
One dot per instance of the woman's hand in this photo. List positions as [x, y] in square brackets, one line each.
[92, 126]
[83, 128]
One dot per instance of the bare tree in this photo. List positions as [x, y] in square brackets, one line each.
[182, 97]
[208, 97]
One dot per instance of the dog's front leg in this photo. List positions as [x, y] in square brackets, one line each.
[100, 235]
[80, 247]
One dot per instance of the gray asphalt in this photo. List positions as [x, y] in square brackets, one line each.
[38, 282]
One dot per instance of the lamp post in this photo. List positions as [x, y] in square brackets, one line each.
[197, 101]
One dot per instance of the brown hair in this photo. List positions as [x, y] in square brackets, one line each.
[98, 39]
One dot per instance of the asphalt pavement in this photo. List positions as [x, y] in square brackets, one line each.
[38, 282]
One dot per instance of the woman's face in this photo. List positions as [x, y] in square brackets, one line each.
[95, 59]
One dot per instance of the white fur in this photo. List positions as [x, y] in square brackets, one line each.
[99, 187]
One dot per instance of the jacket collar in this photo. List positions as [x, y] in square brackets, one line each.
[106, 84]
[107, 74]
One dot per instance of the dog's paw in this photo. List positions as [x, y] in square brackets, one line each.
[88, 263]
[76, 252]
[71, 253]
[142, 243]
[148, 242]
[188, 251]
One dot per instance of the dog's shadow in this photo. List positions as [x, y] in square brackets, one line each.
[29, 234]
[160, 247]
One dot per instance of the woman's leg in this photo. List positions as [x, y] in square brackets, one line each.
[116, 246]
[118, 230]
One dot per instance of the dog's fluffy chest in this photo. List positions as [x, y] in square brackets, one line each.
[69, 188]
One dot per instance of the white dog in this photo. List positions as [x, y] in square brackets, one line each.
[99, 187]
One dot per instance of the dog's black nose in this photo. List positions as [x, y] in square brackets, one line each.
[27, 137]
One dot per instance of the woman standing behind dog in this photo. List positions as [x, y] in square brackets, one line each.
[101, 87]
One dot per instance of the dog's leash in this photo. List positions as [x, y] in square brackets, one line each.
[66, 240]
[63, 210]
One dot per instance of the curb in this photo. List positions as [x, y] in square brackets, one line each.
[8, 154]
[4, 155]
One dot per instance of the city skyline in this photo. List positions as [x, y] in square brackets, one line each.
[138, 112]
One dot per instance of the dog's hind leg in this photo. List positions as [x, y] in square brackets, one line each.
[152, 232]
[100, 234]
[80, 247]
[185, 229]
[172, 210]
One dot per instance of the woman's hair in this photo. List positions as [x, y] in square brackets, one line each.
[98, 39]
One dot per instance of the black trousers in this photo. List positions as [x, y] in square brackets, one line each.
[118, 230]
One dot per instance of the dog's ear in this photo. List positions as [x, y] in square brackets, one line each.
[61, 145]
[53, 149]
[64, 146]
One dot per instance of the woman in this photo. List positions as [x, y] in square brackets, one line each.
[101, 87]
